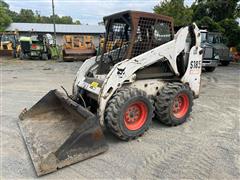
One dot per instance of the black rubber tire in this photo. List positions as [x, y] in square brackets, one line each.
[225, 63]
[164, 102]
[14, 53]
[44, 57]
[21, 56]
[114, 113]
[210, 69]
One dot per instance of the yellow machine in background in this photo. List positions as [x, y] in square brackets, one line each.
[78, 47]
[8, 43]
[111, 45]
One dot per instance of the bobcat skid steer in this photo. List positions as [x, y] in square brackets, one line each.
[150, 72]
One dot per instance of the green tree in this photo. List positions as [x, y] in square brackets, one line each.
[3, 4]
[14, 15]
[232, 31]
[181, 14]
[56, 18]
[37, 17]
[5, 19]
[216, 9]
[27, 15]
[219, 15]
[237, 11]
[66, 20]
[210, 24]
[77, 22]
[45, 19]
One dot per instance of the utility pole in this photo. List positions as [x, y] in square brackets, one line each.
[54, 25]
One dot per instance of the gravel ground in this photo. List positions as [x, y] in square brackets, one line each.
[205, 147]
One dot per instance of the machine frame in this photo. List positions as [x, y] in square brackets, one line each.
[123, 73]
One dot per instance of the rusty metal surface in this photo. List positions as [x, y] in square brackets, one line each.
[139, 14]
[58, 132]
[78, 54]
[131, 33]
[71, 58]
[80, 51]
[135, 18]
[6, 52]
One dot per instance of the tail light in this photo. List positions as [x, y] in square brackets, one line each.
[34, 46]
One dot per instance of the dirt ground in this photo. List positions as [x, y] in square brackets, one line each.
[205, 147]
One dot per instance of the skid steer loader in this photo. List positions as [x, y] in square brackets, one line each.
[152, 72]
[8, 43]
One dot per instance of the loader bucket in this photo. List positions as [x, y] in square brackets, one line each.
[6, 52]
[59, 132]
[78, 54]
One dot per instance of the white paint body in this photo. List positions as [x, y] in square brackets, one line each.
[168, 51]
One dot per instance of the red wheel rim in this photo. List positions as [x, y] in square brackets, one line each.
[135, 115]
[180, 105]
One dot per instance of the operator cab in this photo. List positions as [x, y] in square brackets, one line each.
[131, 33]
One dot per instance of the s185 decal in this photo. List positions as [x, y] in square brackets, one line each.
[195, 65]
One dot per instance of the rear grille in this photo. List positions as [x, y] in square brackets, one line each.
[208, 53]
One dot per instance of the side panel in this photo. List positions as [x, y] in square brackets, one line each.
[150, 86]
[82, 73]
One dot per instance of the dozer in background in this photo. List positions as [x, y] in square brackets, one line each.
[152, 72]
[78, 47]
[8, 44]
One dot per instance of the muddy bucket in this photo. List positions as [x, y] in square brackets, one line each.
[59, 132]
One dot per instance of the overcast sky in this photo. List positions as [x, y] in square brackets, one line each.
[87, 11]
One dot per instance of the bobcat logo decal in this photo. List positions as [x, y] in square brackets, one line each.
[121, 72]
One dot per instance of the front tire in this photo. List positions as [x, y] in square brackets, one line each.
[210, 69]
[14, 53]
[225, 63]
[44, 57]
[21, 55]
[129, 113]
[173, 104]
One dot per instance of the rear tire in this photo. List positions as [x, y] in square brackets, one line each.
[173, 104]
[210, 69]
[14, 53]
[44, 57]
[21, 55]
[225, 63]
[129, 113]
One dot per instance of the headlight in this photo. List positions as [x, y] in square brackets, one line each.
[216, 56]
